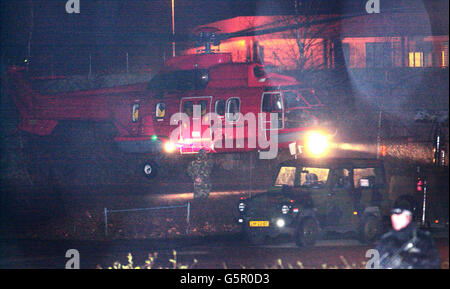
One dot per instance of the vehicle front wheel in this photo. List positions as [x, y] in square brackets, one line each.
[370, 230]
[307, 233]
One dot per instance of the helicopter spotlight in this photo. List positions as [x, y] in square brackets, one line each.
[317, 143]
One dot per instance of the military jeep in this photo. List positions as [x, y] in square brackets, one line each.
[310, 197]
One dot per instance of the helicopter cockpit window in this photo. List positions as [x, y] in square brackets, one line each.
[309, 96]
[160, 110]
[233, 109]
[220, 107]
[297, 114]
[293, 100]
[188, 107]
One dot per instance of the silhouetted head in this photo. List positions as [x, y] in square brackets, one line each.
[201, 154]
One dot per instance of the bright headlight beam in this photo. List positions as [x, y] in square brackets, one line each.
[169, 147]
[280, 223]
[317, 143]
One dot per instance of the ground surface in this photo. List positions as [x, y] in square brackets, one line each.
[43, 223]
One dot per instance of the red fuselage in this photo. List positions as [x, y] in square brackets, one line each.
[211, 85]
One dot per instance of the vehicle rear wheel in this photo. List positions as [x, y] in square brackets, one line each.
[370, 230]
[307, 233]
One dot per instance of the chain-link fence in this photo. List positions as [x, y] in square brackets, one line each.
[160, 220]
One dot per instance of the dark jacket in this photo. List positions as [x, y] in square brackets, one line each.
[409, 248]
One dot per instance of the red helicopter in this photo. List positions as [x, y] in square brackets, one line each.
[219, 106]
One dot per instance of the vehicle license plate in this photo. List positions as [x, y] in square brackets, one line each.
[259, 223]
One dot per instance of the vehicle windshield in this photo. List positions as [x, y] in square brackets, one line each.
[368, 177]
[286, 177]
[309, 177]
[313, 177]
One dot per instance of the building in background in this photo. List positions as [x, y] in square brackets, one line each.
[385, 40]
[395, 62]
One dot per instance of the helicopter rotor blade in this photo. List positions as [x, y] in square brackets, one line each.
[247, 32]
[82, 38]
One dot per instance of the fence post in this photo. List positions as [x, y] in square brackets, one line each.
[106, 222]
[127, 66]
[188, 217]
[90, 66]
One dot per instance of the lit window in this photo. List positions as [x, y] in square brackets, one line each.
[286, 176]
[416, 59]
[444, 54]
[314, 177]
[160, 110]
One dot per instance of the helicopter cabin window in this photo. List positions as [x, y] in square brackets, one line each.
[188, 108]
[314, 177]
[233, 109]
[286, 177]
[203, 105]
[219, 107]
[272, 102]
[160, 110]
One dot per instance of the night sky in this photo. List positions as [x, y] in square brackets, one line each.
[107, 20]
[106, 30]
[117, 23]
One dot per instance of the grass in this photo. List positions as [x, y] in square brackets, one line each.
[151, 263]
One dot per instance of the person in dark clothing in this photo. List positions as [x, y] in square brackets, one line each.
[406, 246]
[200, 170]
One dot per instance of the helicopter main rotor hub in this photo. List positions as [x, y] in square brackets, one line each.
[207, 37]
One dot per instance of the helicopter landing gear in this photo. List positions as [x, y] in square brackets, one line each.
[149, 169]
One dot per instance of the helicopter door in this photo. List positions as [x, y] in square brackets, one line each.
[198, 109]
[272, 102]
